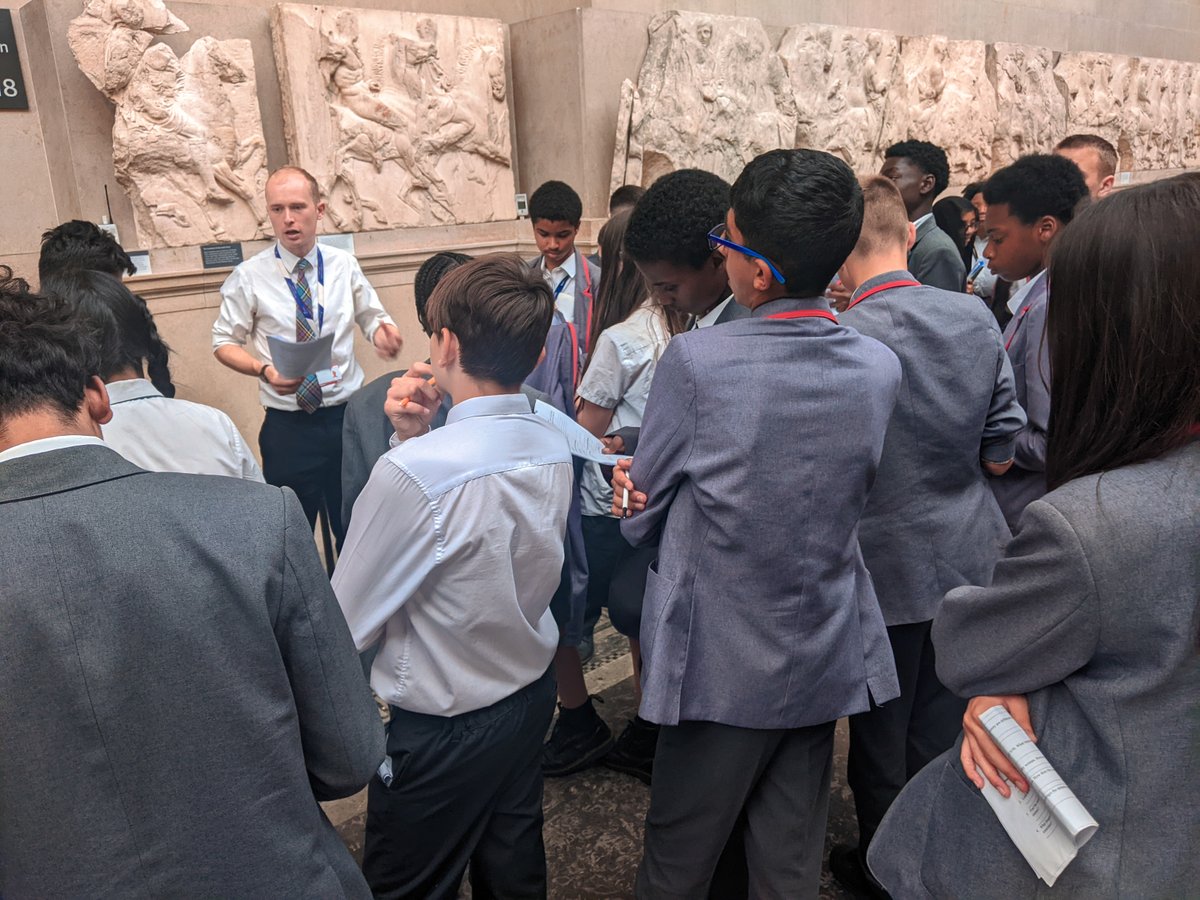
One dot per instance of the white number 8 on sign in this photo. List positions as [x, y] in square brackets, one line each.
[9, 87]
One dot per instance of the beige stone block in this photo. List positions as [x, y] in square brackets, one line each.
[1031, 104]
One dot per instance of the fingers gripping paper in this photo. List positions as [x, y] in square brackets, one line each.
[1048, 824]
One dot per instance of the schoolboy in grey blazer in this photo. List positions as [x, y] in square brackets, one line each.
[760, 626]
[180, 687]
[931, 523]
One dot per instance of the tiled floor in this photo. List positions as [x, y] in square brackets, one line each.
[594, 819]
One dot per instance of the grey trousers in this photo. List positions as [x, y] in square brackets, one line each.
[736, 812]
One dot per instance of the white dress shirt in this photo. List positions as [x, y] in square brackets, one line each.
[256, 302]
[454, 551]
[166, 435]
[45, 445]
[618, 377]
[565, 301]
[710, 318]
[1019, 294]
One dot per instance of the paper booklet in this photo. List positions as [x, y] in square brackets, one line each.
[1049, 825]
[580, 441]
[300, 358]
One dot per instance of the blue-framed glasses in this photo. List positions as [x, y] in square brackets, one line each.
[716, 238]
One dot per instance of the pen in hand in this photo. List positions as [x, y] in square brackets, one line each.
[625, 503]
[432, 383]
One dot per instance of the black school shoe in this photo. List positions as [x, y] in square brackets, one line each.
[633, 752]
[580, 739]
[848, 869]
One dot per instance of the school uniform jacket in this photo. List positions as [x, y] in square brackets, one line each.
[760, 441]
[1093, 615]
[935, 260]
[931, 522]
[587, 282]
[1025, 342]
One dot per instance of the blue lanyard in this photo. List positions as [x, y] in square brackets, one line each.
[296, 291]
[562, 284]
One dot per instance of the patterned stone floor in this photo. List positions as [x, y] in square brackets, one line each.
[594, 819]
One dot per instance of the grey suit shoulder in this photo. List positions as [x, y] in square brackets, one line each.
[935, 260]
[1092, 615]
[191, 668]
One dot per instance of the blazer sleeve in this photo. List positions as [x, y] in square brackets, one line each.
[1030, 452]
[1036, 624]
[670, 427]
[629, 434]
[340, 728]
[356, 467]
[1005, 418]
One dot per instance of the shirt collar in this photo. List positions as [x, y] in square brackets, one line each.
[494, 405]
[568, 266]
[710, 317]
[45, 445]
[876, 280]
[925, 218]
[131, 389]
[1018, 298]
[289, 259]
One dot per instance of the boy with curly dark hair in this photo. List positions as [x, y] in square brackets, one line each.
[921, 172]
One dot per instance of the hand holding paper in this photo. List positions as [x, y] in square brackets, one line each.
[295, 359]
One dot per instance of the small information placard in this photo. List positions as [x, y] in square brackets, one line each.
[12, 82]
[141, 259]
[221, 256]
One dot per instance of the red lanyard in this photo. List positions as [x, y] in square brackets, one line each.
[882, 287]
[1012, 337]
[804, 314]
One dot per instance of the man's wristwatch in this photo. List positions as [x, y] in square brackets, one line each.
[262, 373]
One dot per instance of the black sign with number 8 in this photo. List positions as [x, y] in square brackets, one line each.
[12, 84]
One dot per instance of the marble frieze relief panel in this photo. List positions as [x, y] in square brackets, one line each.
[402, 117]
[712, 93]
[188, 142]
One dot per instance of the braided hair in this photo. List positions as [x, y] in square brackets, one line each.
[429, 275]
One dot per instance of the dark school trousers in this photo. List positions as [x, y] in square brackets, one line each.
[304, 452]
[736, 812]
[890, 744]
[616, 575]
[466, 790]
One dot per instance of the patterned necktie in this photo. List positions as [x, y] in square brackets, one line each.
[308, 395]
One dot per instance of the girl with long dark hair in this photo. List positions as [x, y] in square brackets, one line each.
[1089, 634]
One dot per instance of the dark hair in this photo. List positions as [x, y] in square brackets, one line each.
[672, 220]
[1124, 330]
[556, 201]
[621, 288]
[427, 279]
[975, 187]
[500, 310]
[313, 186]
[929, 158]
[948, 213]
[625, 195]
[110, 308]
[803, 210]
[47, 354]
[1107, 152]
[1038, 185]
[81, 245]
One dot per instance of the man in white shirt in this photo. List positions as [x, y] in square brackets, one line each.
[453, 554]
[298, 291]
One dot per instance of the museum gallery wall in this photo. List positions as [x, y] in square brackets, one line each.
[713, 93]
[404, 117]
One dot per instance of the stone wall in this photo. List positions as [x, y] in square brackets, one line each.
[566, 61]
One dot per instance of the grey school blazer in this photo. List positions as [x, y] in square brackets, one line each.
[759, 444]
[935, 260]
[1093, 614]
[179, 688]
[931, 523]
[1025, 341]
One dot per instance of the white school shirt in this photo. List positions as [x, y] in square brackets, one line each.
[46, 445]
[710, 318]
[454, 551]
[618, 378]
[256, 302]
[565, 301]
[1019, 294]
[161, 434]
